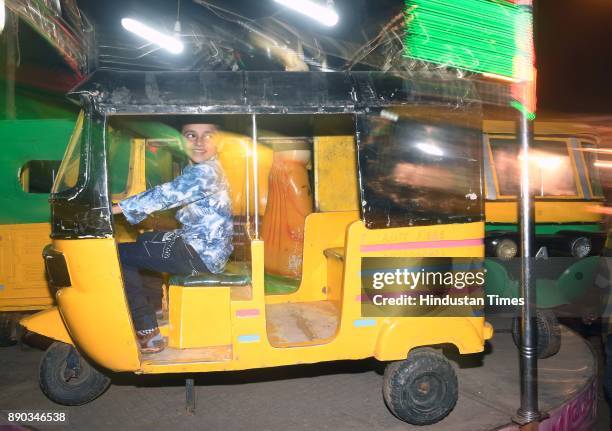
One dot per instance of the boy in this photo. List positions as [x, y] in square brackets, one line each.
[202, 244]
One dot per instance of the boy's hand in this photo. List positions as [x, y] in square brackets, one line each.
[116, 209]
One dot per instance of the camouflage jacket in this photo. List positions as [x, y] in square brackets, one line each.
[206, 216]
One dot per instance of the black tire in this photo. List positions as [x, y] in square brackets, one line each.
[422, 389]
[549, 333]
[8, 323]
[85, 387]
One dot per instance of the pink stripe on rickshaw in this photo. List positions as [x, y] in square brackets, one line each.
[449, 243]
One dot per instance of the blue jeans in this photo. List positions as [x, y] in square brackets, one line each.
[159, 252]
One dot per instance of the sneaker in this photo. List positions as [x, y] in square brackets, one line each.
[151, 341]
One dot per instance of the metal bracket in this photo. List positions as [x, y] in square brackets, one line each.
[190, 400]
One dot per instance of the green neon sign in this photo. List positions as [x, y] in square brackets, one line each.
[484, 36]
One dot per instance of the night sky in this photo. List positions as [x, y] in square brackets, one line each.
[574, 52]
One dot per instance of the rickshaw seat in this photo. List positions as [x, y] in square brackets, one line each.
[206, 280]
[235, 275]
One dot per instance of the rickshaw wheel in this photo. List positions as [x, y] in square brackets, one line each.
[7, 326]
[61, 384]
[549, 333]
[422, 389]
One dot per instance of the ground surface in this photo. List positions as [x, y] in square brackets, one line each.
[335, 396]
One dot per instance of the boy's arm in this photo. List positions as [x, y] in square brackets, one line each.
[193, 185]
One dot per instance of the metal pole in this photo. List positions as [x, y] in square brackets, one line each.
[529, 411]
[248, 190]
[528, 415]
[255, 178]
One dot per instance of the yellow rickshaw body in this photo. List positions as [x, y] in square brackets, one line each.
[95, 310]
[579, 207]
[217, 327]
[226, 328]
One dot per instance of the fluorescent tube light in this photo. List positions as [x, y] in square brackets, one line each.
[2, 15]
[168, 43]
[324, 14]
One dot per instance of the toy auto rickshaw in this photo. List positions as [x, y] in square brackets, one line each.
[395, 171]
[570, 234]
[32, 154]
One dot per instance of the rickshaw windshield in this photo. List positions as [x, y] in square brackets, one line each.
[419, 172]
[68, 174]
[590, 157]
[549, 162]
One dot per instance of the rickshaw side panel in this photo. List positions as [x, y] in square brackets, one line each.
[24, 220]
[321, 231]
[94, 307]
[545, 212]
[356, 337]
[48, 323]
[397, 336]
[22, 271]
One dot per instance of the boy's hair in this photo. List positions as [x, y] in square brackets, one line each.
[216, 126]
[197, 119]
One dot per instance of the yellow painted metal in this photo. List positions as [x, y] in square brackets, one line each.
[397, 336]
[424, 234]
[136, 179]
[96, 314]
[136, 182]
[333, 287]
[321, 231]
[388, 338]
[23, 308]
[541, 128]
[199, 317]
[467, 334]
[546, 211]
[335, 162]
[23, 285]
[48, 323]
[95, 308]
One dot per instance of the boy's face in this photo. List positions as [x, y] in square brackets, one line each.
[200, 139]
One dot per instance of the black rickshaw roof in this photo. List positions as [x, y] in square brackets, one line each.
[266, 92]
